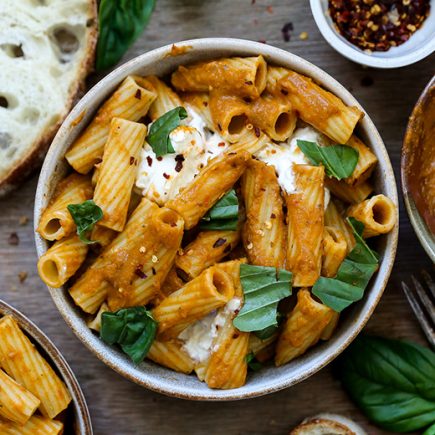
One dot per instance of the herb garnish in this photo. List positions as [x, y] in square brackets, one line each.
[120, 24]
[134, 329]
[339, 160]
[158, 136]
[353, 274]
[85, 216]
[263, 287]
[223, 215]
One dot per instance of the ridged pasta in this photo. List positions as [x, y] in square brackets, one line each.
[56, 221]
[264, 231]
[334, 251]
[36, 425]
[166, 98]
[118, 171]
[62, 261]
[20, 360]
[366, 162]
[171, 354]
[348, 193]
[378, 214]
[335, 219]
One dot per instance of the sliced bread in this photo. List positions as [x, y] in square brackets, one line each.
[328, 424]
[47, 48]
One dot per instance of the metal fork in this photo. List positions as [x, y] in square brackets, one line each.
[422, 303]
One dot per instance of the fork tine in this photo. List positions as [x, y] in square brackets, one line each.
[427, 329]
[429, 282]
[424, 299]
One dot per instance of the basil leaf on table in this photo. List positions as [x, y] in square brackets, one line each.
[134, 329]
[353, 275]
[85, 216]
[339, 160]
[120, 23]
[392, 381]
[158, 136]
[263, 287]
[253, 363]
[224, 215]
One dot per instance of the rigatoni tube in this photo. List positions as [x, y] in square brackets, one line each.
[62, 261]
[207, 292]
[118, 171]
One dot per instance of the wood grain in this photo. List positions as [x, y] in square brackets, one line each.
[120, 407]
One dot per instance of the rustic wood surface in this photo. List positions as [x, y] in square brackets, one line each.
[120, 407]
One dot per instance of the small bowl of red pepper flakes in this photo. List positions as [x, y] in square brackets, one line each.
[378, 33]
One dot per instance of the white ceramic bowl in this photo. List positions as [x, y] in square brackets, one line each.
[78, 420]
[162, 62]
[420, 45]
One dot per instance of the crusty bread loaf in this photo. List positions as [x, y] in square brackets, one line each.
[47, 47]
[328, 424]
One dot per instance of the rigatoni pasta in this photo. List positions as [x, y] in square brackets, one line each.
[220, 223]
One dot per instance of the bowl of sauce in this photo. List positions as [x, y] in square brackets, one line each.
[418, 169]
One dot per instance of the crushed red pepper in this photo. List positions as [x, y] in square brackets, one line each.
[378, 25]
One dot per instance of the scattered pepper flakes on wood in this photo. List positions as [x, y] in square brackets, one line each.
[303, 36]
[378, 26]
[286, 31]
[14, 240]
[24, 220]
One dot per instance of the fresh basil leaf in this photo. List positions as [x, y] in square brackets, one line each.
[134, 329]
[85, 216]
[339, 160]
[263, 287]
[393, 382]
[253, 363]
[361, 252]
[430, 430]
[224, 215]
[158, 136]
[353, 275]
[266, 333]
[120, 23]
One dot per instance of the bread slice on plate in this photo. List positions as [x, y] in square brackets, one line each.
[328, 424]
[47, 48]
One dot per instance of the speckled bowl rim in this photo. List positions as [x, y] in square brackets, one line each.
[82, 417]
[164, 60]
[424, 235]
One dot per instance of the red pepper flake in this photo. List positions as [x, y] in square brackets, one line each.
[139, 272]
[219, 242]
[284, 91]
[131, 160]
[367, 81]
[205, 103]
[138, 94]
[262, 41]
[160, 158]
[273, 216]
[252, 2]
[235, 335]
[286, 31]
[179, 158]
[14, 240]
[221, 144]
[219, 127]
[149, 161]
[257, 131]
[154, 271]
[380, 25]
[269, 9]
[167, 176]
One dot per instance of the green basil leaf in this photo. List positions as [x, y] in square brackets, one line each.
[120, 23]
[224, 215]
[263, 287]
[134, 329]
[353, 275]
[85, 216]
[430, 430]
[253, 363]
[393, 382]
[158, 136]
[339, 160]
[361, 252]
[267, 332]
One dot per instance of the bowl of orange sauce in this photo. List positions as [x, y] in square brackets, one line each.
[418, 169]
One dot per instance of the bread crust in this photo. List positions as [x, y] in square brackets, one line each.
[321, 424]
[37, 151]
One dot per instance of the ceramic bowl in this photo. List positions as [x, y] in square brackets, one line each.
[162, 61]
[420, 45]
[78, 420]
[410, 143]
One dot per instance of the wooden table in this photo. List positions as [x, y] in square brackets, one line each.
[121, 407]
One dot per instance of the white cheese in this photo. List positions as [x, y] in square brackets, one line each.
[161, 179]
[198, 337]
